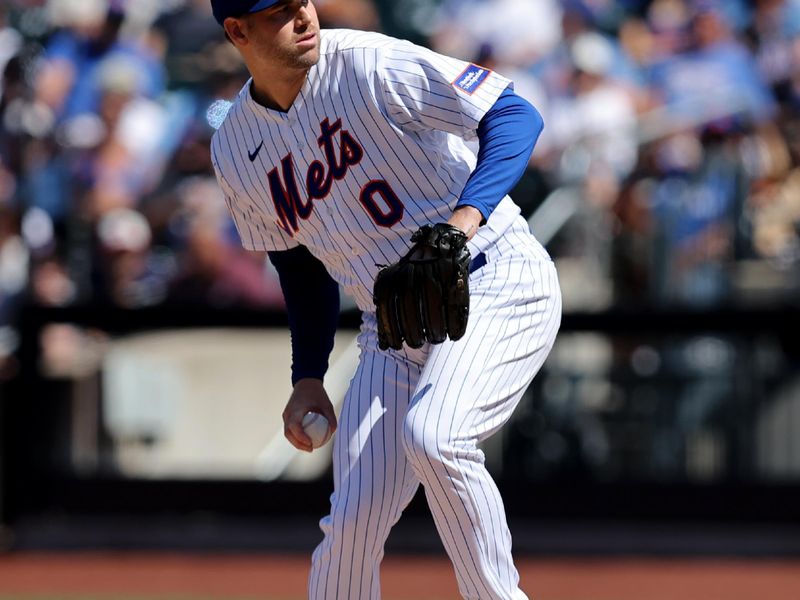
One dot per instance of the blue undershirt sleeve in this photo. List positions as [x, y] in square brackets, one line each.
[312, 302]
[507, 134]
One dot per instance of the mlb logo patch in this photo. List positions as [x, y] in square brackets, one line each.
[471, 79]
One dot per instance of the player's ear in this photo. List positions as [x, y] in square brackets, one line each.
[234, 30]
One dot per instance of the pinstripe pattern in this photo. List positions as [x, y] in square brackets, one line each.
[398, 103]
[403, 423]
[372, 148]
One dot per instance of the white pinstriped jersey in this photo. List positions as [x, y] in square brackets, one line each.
[372, 148]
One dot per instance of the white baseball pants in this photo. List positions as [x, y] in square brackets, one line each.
[416, 416]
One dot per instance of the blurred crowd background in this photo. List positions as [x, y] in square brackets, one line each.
[667, 182]
[667, 175]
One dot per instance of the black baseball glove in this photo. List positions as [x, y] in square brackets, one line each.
[424, 297]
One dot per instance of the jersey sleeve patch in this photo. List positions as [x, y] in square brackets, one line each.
[472, 78]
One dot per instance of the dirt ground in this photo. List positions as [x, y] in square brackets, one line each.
[271, 577]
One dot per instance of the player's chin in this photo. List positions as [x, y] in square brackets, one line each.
[309, 58]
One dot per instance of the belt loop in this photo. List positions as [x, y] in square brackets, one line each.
[477, 262]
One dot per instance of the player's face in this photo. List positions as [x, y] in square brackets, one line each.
[286, 35]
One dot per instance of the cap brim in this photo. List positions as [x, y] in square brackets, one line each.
[263, 5]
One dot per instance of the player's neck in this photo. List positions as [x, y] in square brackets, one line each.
[277, 92]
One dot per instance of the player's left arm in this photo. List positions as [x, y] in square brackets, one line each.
[507, 134]
[312, 304]
[421, 90]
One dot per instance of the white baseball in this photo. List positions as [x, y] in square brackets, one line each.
[317, 428]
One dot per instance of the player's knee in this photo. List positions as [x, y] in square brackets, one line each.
[345, 520]
[364, 501]
[414, 437]
[426, 442]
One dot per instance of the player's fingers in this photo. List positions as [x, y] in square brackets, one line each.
[296, 436]
[327, 412]
[297, 443]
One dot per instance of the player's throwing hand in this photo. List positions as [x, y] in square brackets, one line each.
[308, 396]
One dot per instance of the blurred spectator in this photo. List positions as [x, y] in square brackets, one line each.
[121, 167]
[774, 205]
[716, 78]
[14, 257]
[598, 113]
[130, 276]
[697, 195]
[518, 31]
[555, 67]
[70, 79]
[348, 14]
[214, 268]
[10, 45]
[776, 33]
[195, 51]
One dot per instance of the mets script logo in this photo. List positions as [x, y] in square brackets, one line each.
[471, 79]
[289, 204]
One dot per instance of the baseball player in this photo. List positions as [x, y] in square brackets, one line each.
[345, 157]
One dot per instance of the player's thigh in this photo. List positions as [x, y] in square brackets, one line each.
[373, 411]
[469, 388]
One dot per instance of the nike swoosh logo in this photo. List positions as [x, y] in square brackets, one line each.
[252, 155]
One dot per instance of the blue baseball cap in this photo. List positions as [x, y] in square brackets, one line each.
[236, 8]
